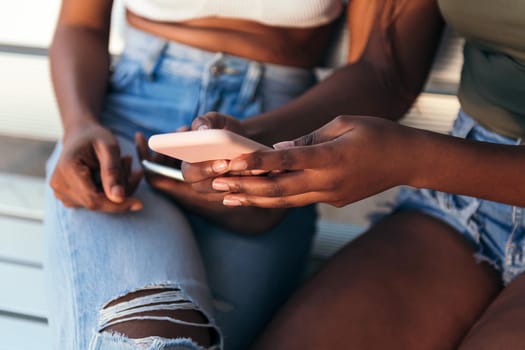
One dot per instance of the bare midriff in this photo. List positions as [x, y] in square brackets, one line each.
[297, 47]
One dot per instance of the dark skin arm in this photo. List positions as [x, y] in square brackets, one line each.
[353, 157]
[389, 60]
[388, 65]
[80, 69]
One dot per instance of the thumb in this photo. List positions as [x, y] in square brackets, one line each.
[108, 154]
[210, 120]
[327, 132]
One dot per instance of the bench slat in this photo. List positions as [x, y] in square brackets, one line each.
[28, 106]
[433, 112]
[21, 241]
[22, 290]
[23, 334]
[21, 196]
[32, 22]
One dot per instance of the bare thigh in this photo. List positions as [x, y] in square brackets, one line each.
[410, 282]
[501, 327]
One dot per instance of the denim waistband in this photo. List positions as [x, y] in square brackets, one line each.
[467, 127]
[147, 48]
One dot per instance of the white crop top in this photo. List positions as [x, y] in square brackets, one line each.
[278, 13]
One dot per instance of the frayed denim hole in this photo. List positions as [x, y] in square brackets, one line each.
[149, 343]
[384, 209]
[481, 257]
[464, 208]
[167, 298]
[510, 273]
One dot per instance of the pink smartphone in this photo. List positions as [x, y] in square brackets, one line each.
[202, 145]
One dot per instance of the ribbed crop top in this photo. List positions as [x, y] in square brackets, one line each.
[279, 13]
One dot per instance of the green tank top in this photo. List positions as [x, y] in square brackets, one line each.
[492, 88]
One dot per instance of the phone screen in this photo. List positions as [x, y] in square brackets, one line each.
[164, 170]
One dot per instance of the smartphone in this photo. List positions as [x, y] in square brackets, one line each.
[203, 145]
[164, 170]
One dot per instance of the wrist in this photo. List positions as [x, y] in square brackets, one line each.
[79, 125]
[417, 158]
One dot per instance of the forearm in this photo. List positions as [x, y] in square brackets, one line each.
[79, 69]
[356, 89]
[479, 169]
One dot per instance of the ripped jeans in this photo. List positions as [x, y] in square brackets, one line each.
[496, 230]
[182, 261]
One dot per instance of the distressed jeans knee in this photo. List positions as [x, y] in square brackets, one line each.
[157, 307]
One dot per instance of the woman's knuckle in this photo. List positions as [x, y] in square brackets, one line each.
[286, 160]
[91, 203]
[255, 161]
[275, 189]
[339, 120]
[283, 203]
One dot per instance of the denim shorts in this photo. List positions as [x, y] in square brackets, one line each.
[236, 280]
[495, 230]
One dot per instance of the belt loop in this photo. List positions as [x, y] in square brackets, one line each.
[154, 52]
[250, 83]
[205, 102]
[463, 125]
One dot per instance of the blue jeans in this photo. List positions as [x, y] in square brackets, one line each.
[496, 230]
[237, 281]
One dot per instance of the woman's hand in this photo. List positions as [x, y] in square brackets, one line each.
[214, 120]
[91, 173]
[347, 160]
[201, 174]
[206, 201]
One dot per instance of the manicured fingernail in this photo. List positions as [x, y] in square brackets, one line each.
[219, 166]
[238, 165]
[284, 145]
[117, 191]
[203, 127]
[220, 186]
[136, 207]
[231, 202]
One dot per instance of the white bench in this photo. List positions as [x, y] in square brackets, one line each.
[27, 109]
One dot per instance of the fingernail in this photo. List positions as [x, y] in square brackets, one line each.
[117, 191]
[203, 127]
[220, 186]
[238, 165]
[284, 145]
[232, 202]
[219, 166]
[136, 207]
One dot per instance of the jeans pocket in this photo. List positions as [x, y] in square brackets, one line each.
[124, 73]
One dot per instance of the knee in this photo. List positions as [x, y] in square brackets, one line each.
[160, 313]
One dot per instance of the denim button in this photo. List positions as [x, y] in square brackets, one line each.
[217, 69]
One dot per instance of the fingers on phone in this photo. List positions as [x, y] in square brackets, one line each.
[141, 146]
[183, 128]
[196, 172]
